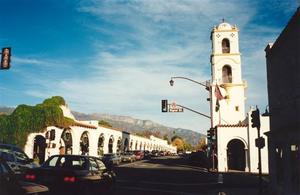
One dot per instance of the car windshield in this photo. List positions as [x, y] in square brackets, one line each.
[21, 157]
[67, 162]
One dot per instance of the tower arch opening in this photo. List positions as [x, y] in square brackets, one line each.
[225, 46]
[227, 74]
[236, 158]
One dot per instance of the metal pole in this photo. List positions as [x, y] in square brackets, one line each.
[204, 85]
[194, 111]
[259, 165]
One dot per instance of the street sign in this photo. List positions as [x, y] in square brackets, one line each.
[260, 142]
[174, 108]
[164, 105]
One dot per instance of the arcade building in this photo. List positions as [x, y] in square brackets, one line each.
[88, 138]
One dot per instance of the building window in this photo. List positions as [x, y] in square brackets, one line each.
[226, 74]
[225, 46]
[237, 108]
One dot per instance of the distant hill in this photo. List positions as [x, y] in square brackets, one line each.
[6, 110]
[133, 125]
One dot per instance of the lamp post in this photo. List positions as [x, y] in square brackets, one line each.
[208, 88]
[204, 85]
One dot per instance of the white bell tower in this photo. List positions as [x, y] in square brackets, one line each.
[229, 107]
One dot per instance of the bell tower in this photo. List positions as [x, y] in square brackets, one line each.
[227, 86]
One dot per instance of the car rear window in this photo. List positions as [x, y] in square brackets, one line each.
[7, 156]
[67, 162]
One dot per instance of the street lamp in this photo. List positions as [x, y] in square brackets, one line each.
[171, 82]
[204, 85]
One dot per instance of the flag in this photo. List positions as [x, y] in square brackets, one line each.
[219, 97]
[218, 93]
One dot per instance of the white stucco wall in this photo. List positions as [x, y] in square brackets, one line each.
[93, 136]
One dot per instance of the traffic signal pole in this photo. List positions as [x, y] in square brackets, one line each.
[255, 120]
[259, 165]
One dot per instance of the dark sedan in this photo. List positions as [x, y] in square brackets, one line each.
[73, 174]
[10, 184]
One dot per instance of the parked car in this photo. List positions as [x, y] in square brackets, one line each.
[16, 158]
[139, 155]
[73, 174]
[155, 153]
[10, 184]
[111, 159]
[128, 157]
[147, 154]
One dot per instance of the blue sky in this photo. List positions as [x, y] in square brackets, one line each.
[116, 57]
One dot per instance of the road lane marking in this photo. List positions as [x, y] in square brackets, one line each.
[154, 190]
[171, 184]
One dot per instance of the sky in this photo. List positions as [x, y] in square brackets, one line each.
[117, 57]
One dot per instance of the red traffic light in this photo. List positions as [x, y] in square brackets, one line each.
[5, 58]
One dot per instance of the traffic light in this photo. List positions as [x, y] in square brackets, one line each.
[164, 105]
[208, 134]
[212, 132]
[5, 58]
[255, 118]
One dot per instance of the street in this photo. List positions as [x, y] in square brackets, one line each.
[173, 175]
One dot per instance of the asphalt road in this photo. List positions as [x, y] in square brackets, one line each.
[173, 176]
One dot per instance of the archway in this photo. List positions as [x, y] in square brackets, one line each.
[66, 137]
[131, 145]
[141, 146]
[110, 144]
[39, 147]
[119, 145]
[100, 150]
[84, 143]
[225, 46]
[227, 74]
[236, 158]
[126, 145]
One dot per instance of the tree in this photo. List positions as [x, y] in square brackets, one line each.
[201, 146]
[174, 137]
[16, 127]
[166, 137]
[104, 123]
[179, 143]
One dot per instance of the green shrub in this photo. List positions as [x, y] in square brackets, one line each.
[16, 127]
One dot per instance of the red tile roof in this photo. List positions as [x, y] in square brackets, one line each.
[233, 125]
